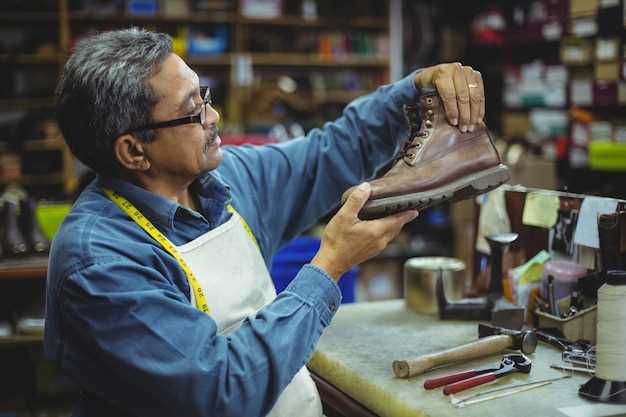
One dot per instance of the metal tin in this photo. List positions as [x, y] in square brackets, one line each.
[420, 279]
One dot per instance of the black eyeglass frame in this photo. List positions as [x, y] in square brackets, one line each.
[205, 93]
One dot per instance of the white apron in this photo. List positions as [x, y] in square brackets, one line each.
[236, 284]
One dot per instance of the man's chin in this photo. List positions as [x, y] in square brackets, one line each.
[213, 160]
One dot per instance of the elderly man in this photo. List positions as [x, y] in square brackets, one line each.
[159, 300]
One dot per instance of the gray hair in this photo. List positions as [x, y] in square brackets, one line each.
[104, 92]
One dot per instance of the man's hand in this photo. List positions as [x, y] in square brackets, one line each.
[461, 90]
[348, 241]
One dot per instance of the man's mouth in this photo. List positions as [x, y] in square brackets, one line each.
[213, 137]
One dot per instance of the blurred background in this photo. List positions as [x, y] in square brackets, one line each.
[554, 74]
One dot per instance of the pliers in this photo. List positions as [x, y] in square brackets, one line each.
[463, 380]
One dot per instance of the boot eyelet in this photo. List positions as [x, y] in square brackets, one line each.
[429, 112]
[429, 100]
[428, 123]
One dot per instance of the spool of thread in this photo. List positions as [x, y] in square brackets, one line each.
[609, 383]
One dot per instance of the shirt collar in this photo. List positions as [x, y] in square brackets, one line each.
[210, 189]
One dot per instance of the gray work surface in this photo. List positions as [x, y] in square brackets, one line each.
[355, 354]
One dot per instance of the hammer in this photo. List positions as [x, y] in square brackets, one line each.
[491, 340]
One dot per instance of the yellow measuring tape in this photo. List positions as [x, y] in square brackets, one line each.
[146, 225]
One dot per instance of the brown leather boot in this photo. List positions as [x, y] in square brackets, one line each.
[37, 242]
[438, 163]
[12, 240]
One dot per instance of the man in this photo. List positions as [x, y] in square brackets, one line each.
[159, 301]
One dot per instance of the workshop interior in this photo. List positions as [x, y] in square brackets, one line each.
[505, 296]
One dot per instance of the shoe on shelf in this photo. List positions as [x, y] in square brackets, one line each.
[438, 163]
[11, 239]
[37, 242]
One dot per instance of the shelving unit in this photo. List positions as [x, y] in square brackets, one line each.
[66, 25]
[543, 40]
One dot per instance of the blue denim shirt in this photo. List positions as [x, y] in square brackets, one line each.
[119, 320]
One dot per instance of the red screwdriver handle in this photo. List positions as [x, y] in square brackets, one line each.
[449, 379]
[469, 383]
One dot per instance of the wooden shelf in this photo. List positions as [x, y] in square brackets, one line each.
[221, 60]
[126, 18]
[295, 59]
[29, 17]
[34, 266]
[338, 96]
[43, 145]
[365, 22]
[292, 59]
[21, 340]
[42, 179]
[26, 103]
[37, 145]
[32, 59]
[358, 22]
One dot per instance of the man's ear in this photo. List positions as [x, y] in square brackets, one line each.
[130, 153]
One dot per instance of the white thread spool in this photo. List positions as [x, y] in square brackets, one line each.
[609, 383]
[611, 337]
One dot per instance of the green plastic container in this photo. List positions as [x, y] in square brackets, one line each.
[50, 216]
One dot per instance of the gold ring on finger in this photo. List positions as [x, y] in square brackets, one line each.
[472, 85]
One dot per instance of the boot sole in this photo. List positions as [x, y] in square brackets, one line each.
[461, 189]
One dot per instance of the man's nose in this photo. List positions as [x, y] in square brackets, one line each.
[212, 116]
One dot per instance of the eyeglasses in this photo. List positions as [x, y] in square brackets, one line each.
[205, 93]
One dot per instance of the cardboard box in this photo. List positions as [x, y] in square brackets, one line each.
[515, 124]
[621, 93]
[583, 7]
[607, 71]
[380, 279]
[607, 49]
[576, 51]
[581, 92]
[534, 171]
[584, 26]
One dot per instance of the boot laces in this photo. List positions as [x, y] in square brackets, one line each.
[413, 142]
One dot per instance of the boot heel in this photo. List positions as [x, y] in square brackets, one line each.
[491, 178]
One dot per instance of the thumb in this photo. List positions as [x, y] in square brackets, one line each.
[357, 198]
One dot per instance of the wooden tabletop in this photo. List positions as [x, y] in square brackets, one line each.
[355, 355]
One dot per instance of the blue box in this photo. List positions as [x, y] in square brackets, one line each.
[142, 7]
[292, 257]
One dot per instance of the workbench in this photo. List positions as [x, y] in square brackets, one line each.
[352, 367]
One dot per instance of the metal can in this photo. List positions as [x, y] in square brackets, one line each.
[420, 281]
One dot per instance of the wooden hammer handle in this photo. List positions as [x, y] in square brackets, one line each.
[482, 347]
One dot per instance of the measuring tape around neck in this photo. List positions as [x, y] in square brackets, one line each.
[146, 225]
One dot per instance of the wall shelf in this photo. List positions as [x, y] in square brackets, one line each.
[18, 18]
[295, 59]
[32, 59]
[26, 103]
[119, 18]
[338, 96]
[21, 340]
[34, 266]
[292, 59]
[323, 22]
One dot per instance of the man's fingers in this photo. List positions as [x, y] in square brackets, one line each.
[462, 97]
[445, 88]
[479, 80]
[476, 96]
[389, 224]
[357, 198]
